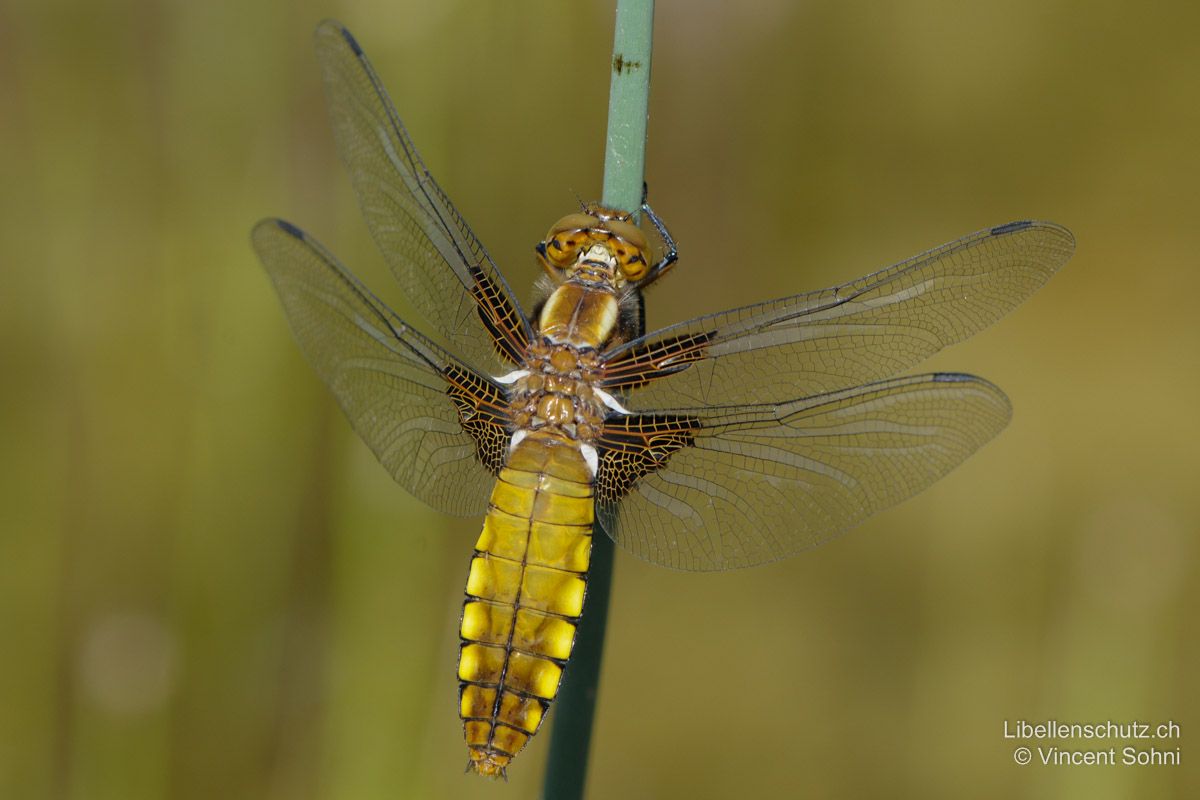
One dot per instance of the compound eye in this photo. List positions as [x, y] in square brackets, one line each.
[574, 222]
[562, 243]
[633, 264]
[560, 249]
[628, 245]
[627, 231]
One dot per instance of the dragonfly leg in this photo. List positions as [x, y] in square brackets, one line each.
[672, 252]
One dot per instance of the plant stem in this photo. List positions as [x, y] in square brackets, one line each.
[628, 105]
[566, 767]
[624, 174]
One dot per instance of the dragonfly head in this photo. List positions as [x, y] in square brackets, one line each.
[595, 236]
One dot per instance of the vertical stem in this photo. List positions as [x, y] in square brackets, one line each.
[624, 171]
[628, 105]
[566, 767]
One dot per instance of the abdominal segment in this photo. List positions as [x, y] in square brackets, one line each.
[525, 593]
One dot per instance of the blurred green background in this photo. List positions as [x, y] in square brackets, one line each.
[208, 588]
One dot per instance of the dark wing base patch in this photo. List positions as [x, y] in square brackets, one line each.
[653, 360]
[500, 317]
[630, 447]
[483, 412]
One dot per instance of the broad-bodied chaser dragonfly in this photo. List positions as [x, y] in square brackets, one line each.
[726, 441]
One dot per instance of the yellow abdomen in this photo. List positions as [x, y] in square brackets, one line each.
[525, 594]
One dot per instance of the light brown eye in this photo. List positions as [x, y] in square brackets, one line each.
[560, 251]
[561, 246]
[634, 269]
[572, 222]
[627, 231]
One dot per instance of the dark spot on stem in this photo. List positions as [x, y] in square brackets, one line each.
[620, 65]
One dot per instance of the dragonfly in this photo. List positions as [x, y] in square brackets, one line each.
[726, 441]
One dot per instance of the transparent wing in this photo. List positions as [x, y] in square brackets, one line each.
[429, 248]
[717, 489]
[852, 334]
[438, 428]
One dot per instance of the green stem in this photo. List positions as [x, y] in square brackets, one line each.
[628, 104]
[566, 767]
[624, 174]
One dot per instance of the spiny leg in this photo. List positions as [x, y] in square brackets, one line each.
[672, 254]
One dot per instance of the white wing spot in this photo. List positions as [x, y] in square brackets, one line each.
[513, 376]
[591, 457]
[611, 401]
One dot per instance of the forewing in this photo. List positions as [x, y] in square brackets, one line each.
[439, 428]
[442, 268]
[826, 341]
[717, 489]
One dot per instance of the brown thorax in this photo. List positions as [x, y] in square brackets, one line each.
[555, 392]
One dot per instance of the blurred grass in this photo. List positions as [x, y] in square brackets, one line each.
[208, 588]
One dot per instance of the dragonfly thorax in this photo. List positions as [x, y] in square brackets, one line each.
[555, 393]
[580, 313]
